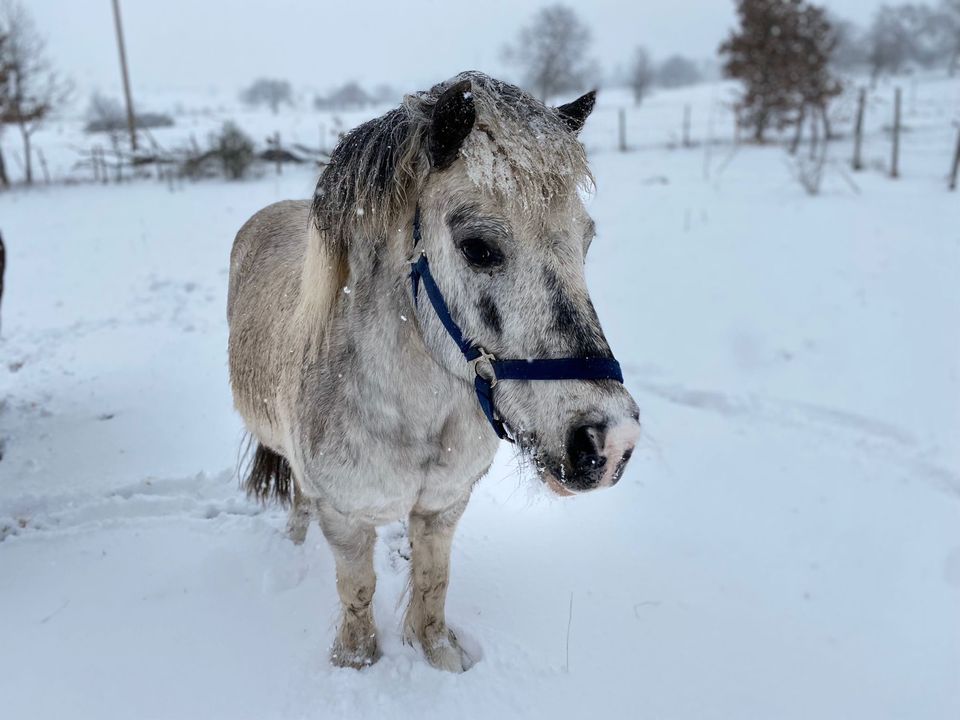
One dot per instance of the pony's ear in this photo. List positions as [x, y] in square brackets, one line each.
[453, 118]
[574, 114]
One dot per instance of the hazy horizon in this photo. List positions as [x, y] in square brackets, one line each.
[176, 45]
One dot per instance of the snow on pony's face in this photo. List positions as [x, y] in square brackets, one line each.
[507, 234]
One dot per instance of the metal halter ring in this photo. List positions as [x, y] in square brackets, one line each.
[489, 358]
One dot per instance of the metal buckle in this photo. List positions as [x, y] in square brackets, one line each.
[417, 254]
[489, 358]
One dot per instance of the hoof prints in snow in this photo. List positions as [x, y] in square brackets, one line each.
[398, 545]
[197, 497]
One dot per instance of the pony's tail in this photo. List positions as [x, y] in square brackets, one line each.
[269, 477]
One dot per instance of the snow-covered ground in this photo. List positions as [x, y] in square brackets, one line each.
[786, 543]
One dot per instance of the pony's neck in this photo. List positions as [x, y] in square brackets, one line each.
[374, 308]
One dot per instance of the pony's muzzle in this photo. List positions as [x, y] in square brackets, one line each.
[597, 454]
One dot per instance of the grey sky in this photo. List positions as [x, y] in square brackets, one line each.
[222, 44]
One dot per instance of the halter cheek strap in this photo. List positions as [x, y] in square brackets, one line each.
[489, 371]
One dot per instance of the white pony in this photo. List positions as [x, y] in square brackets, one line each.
[428, 301]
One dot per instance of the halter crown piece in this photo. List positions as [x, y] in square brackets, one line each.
[489, 370]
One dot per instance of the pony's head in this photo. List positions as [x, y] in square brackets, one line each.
[498, 177]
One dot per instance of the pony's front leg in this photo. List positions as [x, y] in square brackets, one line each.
[352, 545]
[431, 535]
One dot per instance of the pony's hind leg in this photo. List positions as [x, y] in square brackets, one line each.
[352, 544]
[301, 512]
[431, 536]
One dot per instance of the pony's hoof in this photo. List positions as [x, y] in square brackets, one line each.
[297, 534]
[297, 526]
[446, 654]
[364, 655]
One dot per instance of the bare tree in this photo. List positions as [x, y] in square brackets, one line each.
[889, 44]
[901, 34]
[925, 26]
[235, 150]
[851, 50]
[4, 84]
[552, 52]
[949, 22]
[269, 92]
[106, 114]
[641, 74]
[32, 89]
[678, 71]
[350, 96]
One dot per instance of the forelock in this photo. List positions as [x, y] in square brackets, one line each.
[520, 151]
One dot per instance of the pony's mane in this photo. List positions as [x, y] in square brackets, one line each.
[519, 149]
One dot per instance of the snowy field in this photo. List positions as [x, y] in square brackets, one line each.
[931, 109]
[785, 544]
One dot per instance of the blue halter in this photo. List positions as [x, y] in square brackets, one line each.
[541, 369]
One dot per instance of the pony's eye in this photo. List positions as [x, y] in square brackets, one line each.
[479, 253]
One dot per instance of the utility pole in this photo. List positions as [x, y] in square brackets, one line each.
[131, 120]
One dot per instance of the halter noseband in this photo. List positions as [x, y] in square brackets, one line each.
[572, 368]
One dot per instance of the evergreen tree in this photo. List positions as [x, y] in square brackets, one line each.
[781, 52]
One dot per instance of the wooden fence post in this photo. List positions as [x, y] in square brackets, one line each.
[43, 166]
[686, 126]
[895, 163]
[622, 115]
[858, 131]
[814, 135]
[956, 165]
[3, 268]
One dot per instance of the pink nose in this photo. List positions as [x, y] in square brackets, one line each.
[618, 447]
[598, 453]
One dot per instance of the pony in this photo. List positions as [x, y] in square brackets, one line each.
[368, 328]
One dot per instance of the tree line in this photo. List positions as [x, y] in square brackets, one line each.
[274, 93]
[788, 54]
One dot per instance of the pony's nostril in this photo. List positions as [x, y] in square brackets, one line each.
[585, 448]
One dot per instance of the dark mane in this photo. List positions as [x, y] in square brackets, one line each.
[369, 174]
